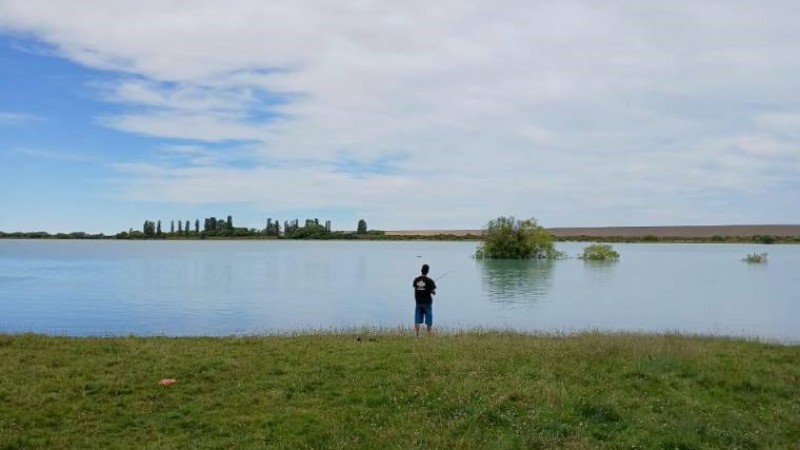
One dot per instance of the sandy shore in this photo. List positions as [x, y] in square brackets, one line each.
[699, 231]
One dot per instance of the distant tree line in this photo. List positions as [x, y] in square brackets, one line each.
[214, 227]
[46, 235]
[273, 230]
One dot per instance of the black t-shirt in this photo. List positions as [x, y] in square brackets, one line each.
[423, 289]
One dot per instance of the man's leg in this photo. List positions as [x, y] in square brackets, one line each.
[428, 319]
[417, 319]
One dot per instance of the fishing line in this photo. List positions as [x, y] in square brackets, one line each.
[442, 275]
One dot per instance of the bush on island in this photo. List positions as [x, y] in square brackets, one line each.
[599, 252]
[510, 238]
[755, 258]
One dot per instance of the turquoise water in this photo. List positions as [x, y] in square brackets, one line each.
[248, 287]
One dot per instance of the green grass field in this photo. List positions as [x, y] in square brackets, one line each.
[386, 389]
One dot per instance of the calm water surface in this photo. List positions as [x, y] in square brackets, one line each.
[232, 287]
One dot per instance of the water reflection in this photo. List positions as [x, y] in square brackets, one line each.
[599, 270]
[516, 281]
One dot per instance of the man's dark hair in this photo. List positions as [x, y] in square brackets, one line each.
[425, 269]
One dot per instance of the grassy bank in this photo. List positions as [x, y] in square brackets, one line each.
[386, 390]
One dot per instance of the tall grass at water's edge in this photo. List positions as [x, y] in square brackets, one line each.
[382, 389]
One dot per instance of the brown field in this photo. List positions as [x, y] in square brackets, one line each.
[691, 231]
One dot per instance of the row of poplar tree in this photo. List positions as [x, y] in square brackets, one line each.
[212, 225]
[219, 227]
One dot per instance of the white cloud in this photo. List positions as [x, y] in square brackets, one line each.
[206, 127]
[179, 97]
[575, 111]
[63, 156]
[14, 118]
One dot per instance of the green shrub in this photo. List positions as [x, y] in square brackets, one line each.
[755, 258]
[599, 252]
[510, 238]
[764, 239]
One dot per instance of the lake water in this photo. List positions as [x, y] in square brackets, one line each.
[180, 288]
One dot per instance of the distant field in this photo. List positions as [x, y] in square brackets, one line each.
[676, 231]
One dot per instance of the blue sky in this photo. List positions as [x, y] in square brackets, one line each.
[414, 116]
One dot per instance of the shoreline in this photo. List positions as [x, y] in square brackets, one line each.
[366, 332]
[764, 234]
[673, 232]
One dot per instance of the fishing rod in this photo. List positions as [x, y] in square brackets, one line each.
[440, 276]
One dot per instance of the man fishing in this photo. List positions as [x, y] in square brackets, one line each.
[424, 290]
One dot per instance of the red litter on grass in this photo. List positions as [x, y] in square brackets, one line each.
[167, 381]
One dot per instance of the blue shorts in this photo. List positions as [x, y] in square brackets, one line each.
[425, 311]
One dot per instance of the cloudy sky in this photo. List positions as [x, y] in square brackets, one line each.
[410, 115]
